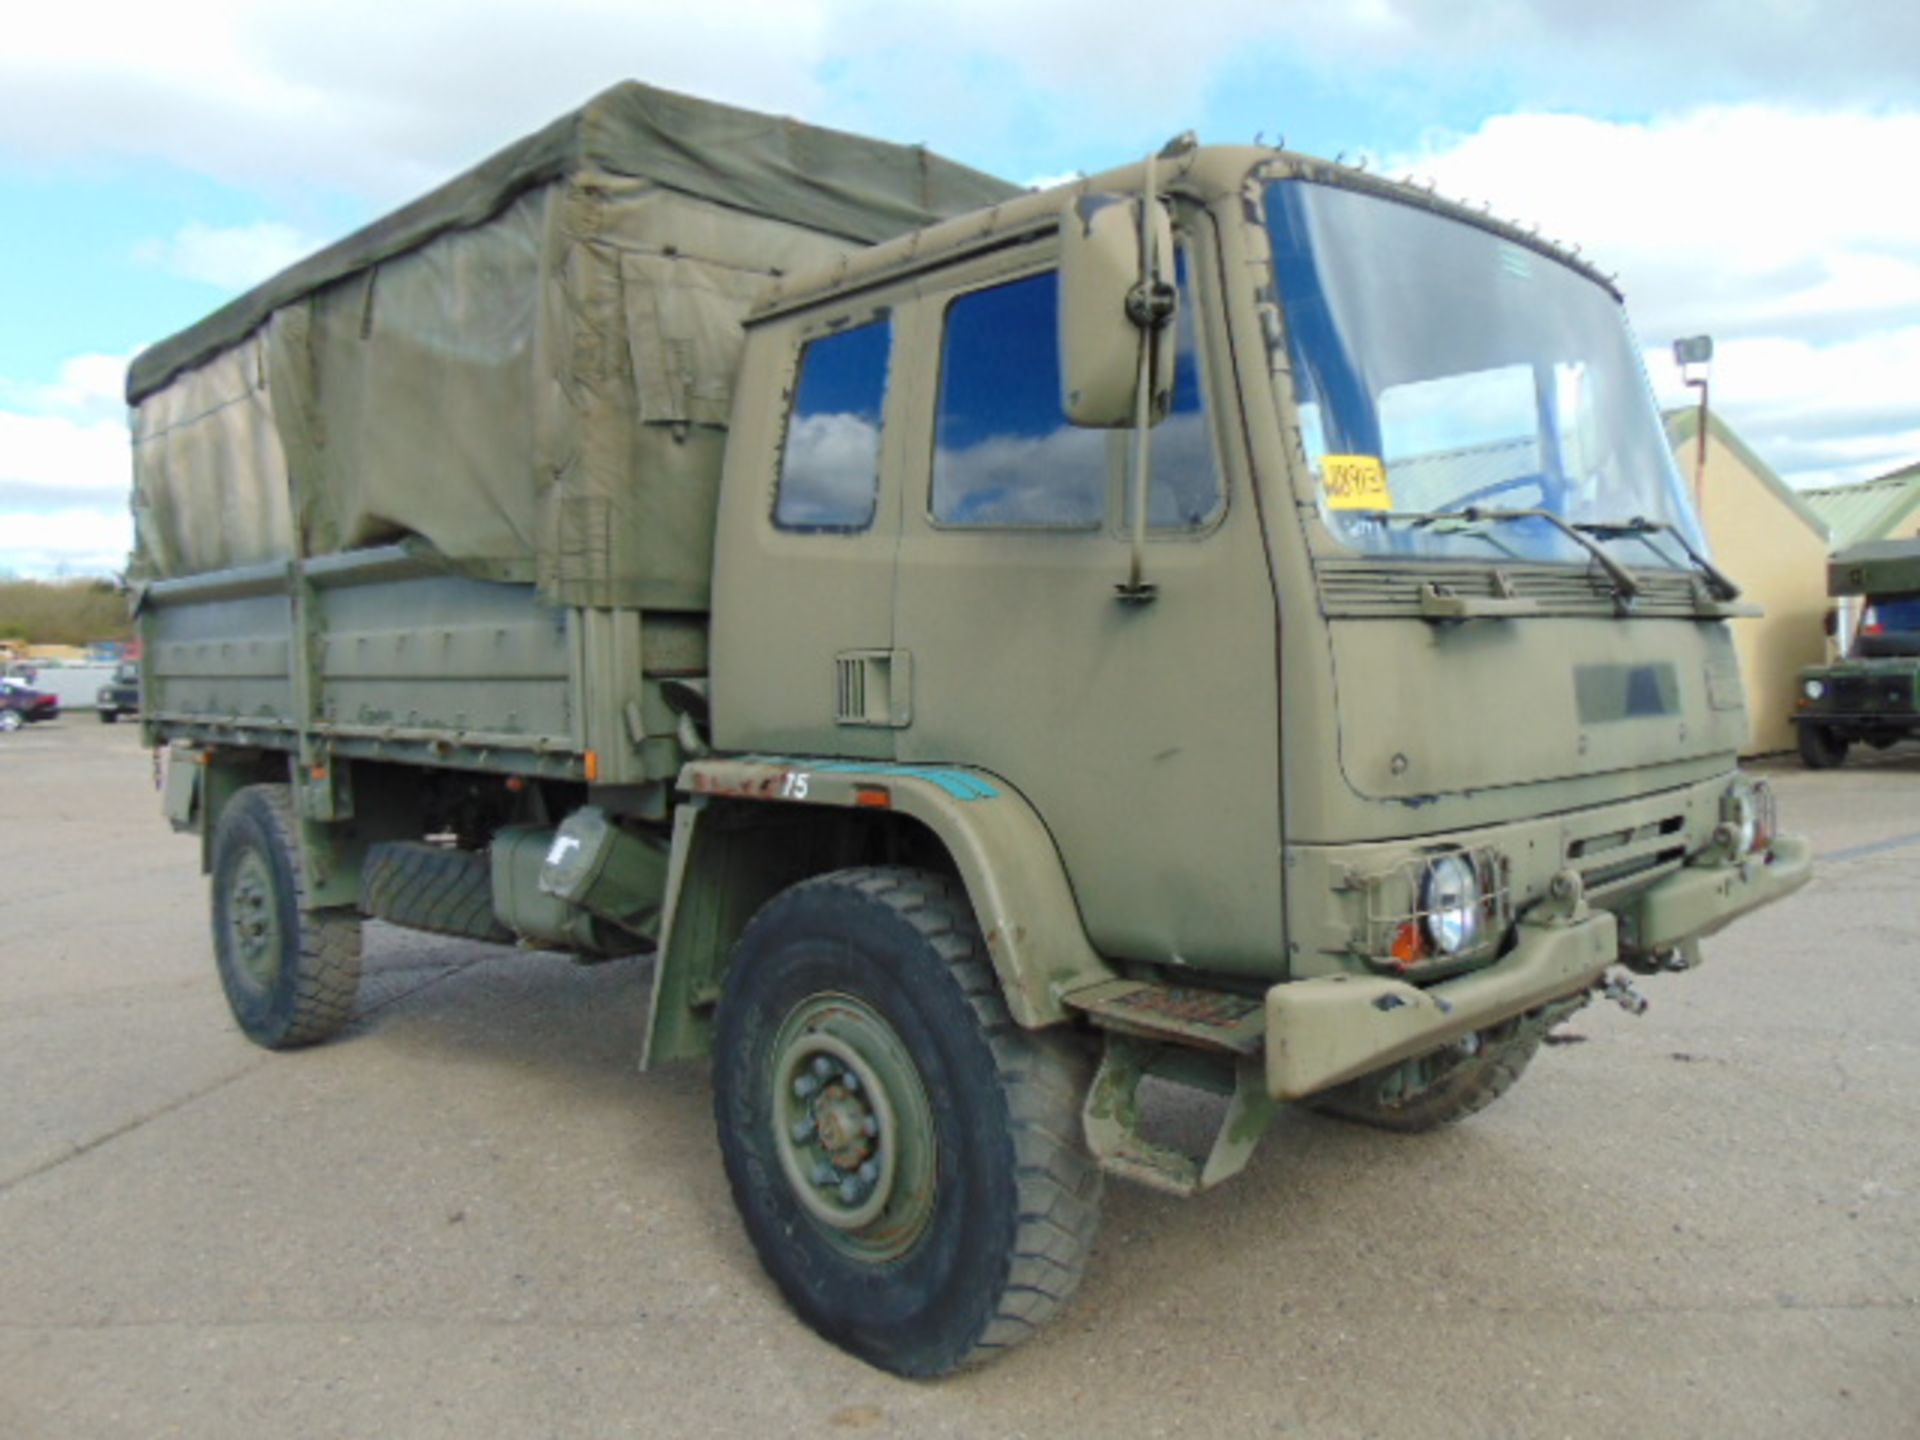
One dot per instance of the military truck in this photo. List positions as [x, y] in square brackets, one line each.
[1871, 694]
[1230, 619]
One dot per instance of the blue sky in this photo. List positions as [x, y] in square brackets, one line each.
[1731, 161]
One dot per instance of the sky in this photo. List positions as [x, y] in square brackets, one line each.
[1746, 167]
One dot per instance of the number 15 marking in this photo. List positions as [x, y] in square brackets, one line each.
[794, 785]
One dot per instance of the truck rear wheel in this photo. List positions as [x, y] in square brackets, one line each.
[290, 973]
[1821, 746]
[905, 1158]
[1438, 1089]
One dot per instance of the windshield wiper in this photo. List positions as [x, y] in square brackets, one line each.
[1639, 527]
[1625, 588]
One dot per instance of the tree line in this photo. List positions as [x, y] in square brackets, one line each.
[63, 612]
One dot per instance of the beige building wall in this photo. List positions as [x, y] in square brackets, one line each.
[1779, 562]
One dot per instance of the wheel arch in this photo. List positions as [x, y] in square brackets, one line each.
[752, 827]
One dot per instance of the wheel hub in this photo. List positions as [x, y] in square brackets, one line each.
[253, 921]
[853, 1127]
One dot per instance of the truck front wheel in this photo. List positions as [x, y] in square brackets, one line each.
[290, 973]
[1821, 746]
[905, 1158]
[1438, 1089]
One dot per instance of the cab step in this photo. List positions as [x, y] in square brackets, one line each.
[1213, 1020]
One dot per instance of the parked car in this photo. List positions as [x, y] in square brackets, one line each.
[120, 695]
[21, 703]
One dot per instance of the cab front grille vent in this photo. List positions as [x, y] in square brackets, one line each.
[1374, 589]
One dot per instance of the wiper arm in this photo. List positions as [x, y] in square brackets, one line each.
[1717, 580]
[1625, 588]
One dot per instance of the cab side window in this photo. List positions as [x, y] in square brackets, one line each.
[830, 464]
[1004, 454]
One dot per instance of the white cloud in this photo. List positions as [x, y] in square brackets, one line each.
[65, 471]
[76, 541]
[383, 99]
[89, 388]
[235, 257]
[365, 95]
[55, 453]
[1775, 231]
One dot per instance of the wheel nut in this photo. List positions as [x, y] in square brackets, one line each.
[805, 1086]
[850, 1080]
[824, 1174]
[870, 1171]
[802, 1128]
[822, 1066]
[849, 1191]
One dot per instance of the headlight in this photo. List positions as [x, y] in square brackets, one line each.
[1814, 689]
[1747, 809]
[1738, 812]
[1450, 904]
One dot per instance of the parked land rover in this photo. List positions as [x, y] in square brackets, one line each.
[121, 695]
[1871, 694]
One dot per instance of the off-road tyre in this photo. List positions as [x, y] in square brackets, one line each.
[431, 887]
[1455, 1086]
[1820, 747]
[889, 964]
[107, 717]
[290, 973]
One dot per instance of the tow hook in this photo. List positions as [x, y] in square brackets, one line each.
[1664, 960]
[1620, 990]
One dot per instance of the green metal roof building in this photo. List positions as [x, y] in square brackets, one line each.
[1884, 508]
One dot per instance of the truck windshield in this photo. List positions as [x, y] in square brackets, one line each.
[1437, 367]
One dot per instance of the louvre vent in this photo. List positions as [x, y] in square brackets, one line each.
[850, 672]
[873, 687]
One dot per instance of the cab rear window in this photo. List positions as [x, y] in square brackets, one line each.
[830, 464]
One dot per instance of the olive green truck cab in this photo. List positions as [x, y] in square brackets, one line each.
[1870, 694]
[1231, 619]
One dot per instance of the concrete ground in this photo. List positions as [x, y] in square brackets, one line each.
[470, 1216]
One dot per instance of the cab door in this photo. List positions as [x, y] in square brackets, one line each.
[1146, 735]
[809, 523]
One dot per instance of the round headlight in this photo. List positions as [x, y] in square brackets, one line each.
[1739, 812]
[1450, 904]
[1814, 689]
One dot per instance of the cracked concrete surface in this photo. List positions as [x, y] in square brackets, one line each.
[471, 1217]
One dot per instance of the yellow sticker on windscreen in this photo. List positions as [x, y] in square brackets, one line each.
[1355, 482]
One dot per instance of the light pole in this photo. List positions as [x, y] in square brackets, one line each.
[1697, 350]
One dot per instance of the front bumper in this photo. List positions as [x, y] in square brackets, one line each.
[1326, 1031]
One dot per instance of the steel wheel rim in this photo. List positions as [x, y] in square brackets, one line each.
[853, 1127]
[253, 922]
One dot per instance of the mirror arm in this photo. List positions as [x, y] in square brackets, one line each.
[1136, 589]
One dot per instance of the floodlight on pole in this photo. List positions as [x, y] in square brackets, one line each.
[1687, 353]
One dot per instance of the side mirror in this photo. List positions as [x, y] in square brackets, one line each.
[1109, 308]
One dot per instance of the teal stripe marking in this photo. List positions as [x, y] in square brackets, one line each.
[956, 783]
